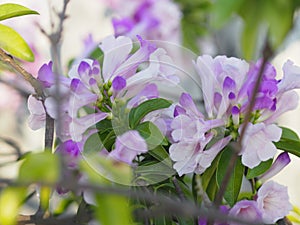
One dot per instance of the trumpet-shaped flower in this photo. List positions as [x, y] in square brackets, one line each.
[273, 202]
[128, 146]
[281, 161]
[191, 134]
[246, 210]
[258, 144]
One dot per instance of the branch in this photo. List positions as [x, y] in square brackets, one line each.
[7, 59]
[55, 41]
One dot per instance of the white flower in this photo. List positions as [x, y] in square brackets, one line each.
[273, 202]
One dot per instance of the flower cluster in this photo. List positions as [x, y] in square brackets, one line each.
[117, 99]
[90, 93]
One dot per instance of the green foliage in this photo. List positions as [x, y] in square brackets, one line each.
[138, 113]
[235, 182]
[194, 22]
[151, 134]
[106, 134]
[110, 208]
[289, 142]
[259, 170]
[113, 209]
[10, 10]
[223, 10]
[103, 171]
[42, 167]
[275, 16]
[10, 202]
[10, 40]
[14, 44]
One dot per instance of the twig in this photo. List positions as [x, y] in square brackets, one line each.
[237, 147]
[7, 59]
[13, 144]
[178, 189]
[168, 206]
[55, 41]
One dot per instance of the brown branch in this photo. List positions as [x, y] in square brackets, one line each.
[7, 59]
[237, 147]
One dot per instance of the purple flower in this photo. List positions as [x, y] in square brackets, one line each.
[37, 117]
[246, 210]
[152, 19]
[282, 161]
[257, 144]
[191, 133]
[71, 151]
[223, 209]
[128, 146]
[97, 88]
[273, 202]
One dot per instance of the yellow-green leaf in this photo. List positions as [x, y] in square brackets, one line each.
[10, 202]
[10, 10]
[14, 44]
[41, 167]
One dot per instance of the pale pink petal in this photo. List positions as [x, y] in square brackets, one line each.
[273, 201]
[115, 51]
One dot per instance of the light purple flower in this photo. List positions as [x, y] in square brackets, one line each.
[97, 88]
[246, 210]
[221, 78]
[152, 19]
[282, 161]
[223, 209]
[128, 146]
[228, 84]
[190, 134]
[273, 202]
[257, 144]
[71, 150]
[37, 117]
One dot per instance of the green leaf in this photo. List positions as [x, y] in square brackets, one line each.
[289, 142]
[155, 171]
[40, 167]
[252, 21]
[106, 133]
[45, 194]
[289, 145]
[113, 209]
[209, 172]
[159, 153]
[14, 44]
[138, 113]
[223, 10]
[10, 10]
[102, 170]
[289, 134]
[235, 182]
[279, 26]
[93, 144]
[212, 187]
[260, 169]
[10, 202]
[151, 134]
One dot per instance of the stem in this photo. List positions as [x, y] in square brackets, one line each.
[237, 147]
[7, 59]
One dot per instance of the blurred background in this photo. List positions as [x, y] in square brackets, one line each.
[88, 22]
